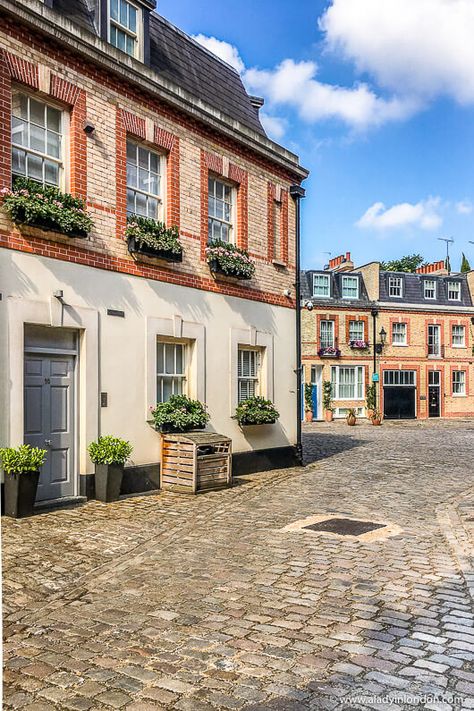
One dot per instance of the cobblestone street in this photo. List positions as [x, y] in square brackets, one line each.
[201, 603]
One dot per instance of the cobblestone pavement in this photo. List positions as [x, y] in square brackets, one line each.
[202, 603]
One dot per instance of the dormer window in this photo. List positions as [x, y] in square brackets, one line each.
[429, 289]
[454, 291]
[350, 287]
[321, 286]
[124, 26]
[395, 286]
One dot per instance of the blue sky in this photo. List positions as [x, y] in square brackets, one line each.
[377, 98]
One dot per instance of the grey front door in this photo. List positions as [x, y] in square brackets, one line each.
[49, 420]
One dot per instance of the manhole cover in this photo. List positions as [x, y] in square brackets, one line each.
[345, 526]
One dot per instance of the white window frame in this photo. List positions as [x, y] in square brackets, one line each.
[433, 341]
[344, 280]
[460, 335]
[403, 332]
[327, 279]
[160, 197]
[277, 231]
[395, 283]
[64, 132]
[358, 384]
[256, 356]
[432, 288]
[457, 290]
[136, 36]
[359, 323]
[400, 378]
[161, 377]
[458, 384]
[233, 201]
[331, 330]
[261, 340]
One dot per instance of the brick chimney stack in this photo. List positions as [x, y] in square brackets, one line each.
[434, 268]
[342, 263]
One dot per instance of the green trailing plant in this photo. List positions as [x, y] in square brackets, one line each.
[256, 411]
[180, 414]
[327, 395]
[370, 395]
[308, 396]
[44, 206]
[110, 450]
[22, 459]
[153, 235]
[229, 259]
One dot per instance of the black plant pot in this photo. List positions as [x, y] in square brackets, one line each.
[169, 429]
[108, 481]
[50, 226]
[20, 493]
[136, 247]
[247, 423]
[216, 268]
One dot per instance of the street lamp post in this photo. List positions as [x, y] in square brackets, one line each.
[297, 193]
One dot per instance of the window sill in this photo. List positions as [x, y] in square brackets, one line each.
[279, 264]
[400, 345]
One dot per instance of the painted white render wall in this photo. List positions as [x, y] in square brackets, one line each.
[119, 357]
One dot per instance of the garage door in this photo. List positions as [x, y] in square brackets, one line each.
[399, 394]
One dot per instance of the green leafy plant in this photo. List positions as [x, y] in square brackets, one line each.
[110, 450]
[229, 259]
[327, 395]
[22, 459]
[465, 266]
[180, 414]
[370, 395]
[408, 263]
[256, 411]
[308, 396]
[44, 206]
[153, 235]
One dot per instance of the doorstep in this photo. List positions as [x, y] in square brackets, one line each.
[63, 503]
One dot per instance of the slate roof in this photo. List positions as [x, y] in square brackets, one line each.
[413, 289]
[179, 59]
[336, 289]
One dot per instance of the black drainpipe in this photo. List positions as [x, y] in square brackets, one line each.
[374, 313]
[297, 192]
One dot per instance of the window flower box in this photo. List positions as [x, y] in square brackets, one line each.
[46, 207]
[256, 411]
[153, 239]
[179, 414]
[329, 352]
[229, 260]
[358, 345]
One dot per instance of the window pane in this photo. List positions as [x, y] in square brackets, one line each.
[34, 167]
[114, 14]
[51, 172]
[132, 19]
[53, 145]
[123, 13]
[37, 112]
[131, 175]
[143, 179]
[140, 204]
[53, 117]
[160, 357]
[18, 162]
[154, 163]
[167, 389]
[154, 184]
[131, 152]
[37, 138]
[130, 201]
[169, 359]
[19, 131]
[121, 37]
[152, 208]
[142, 157]
[179, 358]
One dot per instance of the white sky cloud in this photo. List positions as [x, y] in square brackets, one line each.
[423, 214]
[273, 125]
[224, 50]
[421, 48]
[464, 207]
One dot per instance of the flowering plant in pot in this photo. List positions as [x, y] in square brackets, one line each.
[153, 238]
[351, 417]
[358, 345]
[109, 455]
[21, 466]
[308, 402]
[228, 259]
[256, 411]
[327, 401]
[329, 352]
[376, 418]
[180, 414]
[44, 206]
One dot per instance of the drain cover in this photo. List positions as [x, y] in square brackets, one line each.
[345, 526]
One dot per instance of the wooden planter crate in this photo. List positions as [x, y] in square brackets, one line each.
[195, 461]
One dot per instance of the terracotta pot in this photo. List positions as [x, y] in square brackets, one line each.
[376, 421]
[308, 416]
[351, 420]
[328, 415]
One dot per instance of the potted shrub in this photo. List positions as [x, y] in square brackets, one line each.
[153, 239]
[327, 401]
[351, 417]
[308, 402]
[46, 207]
[179, 414]
[21, 466]
[376, 418]
[358, 345]
[329, 352]
[229, 260]
[370, 399]
[256, 411]
[109, 455]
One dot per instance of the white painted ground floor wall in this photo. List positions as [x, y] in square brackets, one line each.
[117, 355]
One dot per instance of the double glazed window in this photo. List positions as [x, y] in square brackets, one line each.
[170, 370]
[454, 291]
[459, 382]
[326, 334]
[123, 29]
[356, 331]
[221, 210]
[321, 285]
[248, 369]
[144, 181]
[347, 382]
[429, 289]
[395, 286]
[458, 336]
[399, 334]
[350, 287]
[37, 140]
